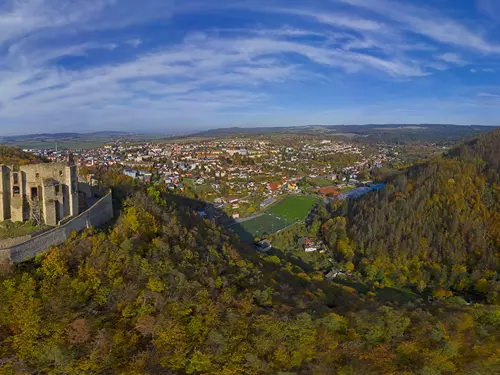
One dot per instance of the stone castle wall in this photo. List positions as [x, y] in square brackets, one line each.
[5, 243]
[96, 216]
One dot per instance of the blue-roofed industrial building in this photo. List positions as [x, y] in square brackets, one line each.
[130, 173]
[377, 187]
[360, 191]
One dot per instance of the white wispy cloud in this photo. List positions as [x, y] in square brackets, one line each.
[221, 63]
[429, 24]
[484, 70]
[134, 42]
[491, 8]
[488, 95]
[22, 18]
[338, 20]
[452, 58]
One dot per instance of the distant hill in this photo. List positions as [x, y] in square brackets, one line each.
[372, 132]
[67, 140]
[13, 138]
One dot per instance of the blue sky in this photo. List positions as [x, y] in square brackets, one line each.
[175, 66]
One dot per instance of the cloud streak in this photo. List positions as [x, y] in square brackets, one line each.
[452, 58]
[426, 23]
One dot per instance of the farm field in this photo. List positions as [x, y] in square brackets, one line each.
[70, 144]
[293, 209]
[80, 142]
[278, 217]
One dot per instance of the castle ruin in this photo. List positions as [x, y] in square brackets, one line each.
[46, 193]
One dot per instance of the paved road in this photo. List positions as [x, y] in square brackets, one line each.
[243, 219]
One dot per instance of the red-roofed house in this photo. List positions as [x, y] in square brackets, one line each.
[330, 191]
[274, 187]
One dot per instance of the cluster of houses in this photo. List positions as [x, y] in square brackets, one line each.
[235, 173]
[310, 246]
[289, 185]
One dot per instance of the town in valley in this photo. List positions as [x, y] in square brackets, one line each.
[258, 185]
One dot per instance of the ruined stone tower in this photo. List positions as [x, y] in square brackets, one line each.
[46, 191]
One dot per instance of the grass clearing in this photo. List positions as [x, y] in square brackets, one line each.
[346, 189]
[204, 188]
[321, 182]
[358, 286]
[9, 229]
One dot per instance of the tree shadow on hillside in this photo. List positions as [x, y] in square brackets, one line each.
[292, 259]
[241, 238]
[215, 214]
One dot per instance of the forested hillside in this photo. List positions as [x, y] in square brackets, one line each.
[483, 153]
[163, 292]
[15, 156]
[436, 227]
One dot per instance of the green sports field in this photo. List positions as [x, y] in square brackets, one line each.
[293, 209]
[257, 227]
[278, 217]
